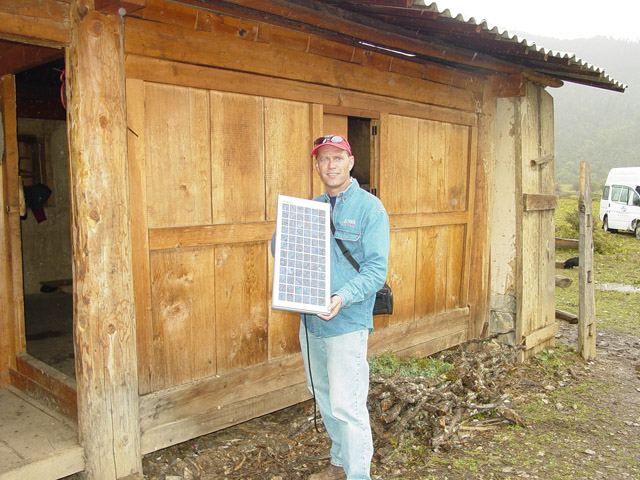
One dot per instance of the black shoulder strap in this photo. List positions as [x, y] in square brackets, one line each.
[343, 249]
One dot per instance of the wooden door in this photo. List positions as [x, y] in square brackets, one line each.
[537, 323]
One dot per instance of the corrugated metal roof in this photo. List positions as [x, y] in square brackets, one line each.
[421, 21]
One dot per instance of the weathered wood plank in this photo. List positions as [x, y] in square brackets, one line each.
[240, 306]
[199, 236]
[431, 275]
[197, 76]
[567, 317]
[402, 276]
[157, 40]
[18, 57]
[178, 156]
[139, 232]
[454, 266]
[545, 164]
[287, 156]
[456, 178]
[435, 345]
[407, 335]
[471, 233]
[28, 21]
[170, 416]
[514, 85]
[47, 384]
[431, 166]
[398, 174]
[316, 123]
[413, 220]
[36, 442]
[535, 201]
[9, 344]
[541, 335]
[200, 422]
[237, 158]
[183, 308]
[569, 243]
[104, 320]
[117, 6]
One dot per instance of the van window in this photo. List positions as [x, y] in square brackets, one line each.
[634, 200]
[624, 195]
[616, 194]
[605, 192]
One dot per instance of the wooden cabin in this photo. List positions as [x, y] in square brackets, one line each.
[171, 130]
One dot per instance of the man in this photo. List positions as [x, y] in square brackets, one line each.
[337, 368]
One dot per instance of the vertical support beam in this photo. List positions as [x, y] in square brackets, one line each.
[586, 287]
[104, 329]
[479, 278]
[8, 162]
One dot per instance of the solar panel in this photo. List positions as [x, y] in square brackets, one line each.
[301, 270]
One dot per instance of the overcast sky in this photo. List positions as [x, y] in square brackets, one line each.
[565, 19]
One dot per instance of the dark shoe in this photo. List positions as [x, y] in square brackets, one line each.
[330, 473]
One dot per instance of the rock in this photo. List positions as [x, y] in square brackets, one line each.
[589, 452]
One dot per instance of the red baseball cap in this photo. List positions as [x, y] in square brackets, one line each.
[333, 140]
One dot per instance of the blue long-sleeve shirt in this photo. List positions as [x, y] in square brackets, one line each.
[362, 223]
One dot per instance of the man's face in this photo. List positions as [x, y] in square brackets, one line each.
[334, 166]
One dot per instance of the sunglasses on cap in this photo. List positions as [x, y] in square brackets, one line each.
[329, 139]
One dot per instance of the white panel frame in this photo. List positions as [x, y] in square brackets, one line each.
[304, 260]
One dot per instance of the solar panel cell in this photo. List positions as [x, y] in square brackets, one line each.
[302, 246]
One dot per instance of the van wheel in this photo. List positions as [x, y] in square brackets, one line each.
[605, 226]
[637, 230]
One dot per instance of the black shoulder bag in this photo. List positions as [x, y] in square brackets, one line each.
[384, 297]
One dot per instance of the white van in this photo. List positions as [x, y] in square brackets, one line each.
[620, 201]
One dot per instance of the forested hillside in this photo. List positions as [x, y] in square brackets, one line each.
[592, 124]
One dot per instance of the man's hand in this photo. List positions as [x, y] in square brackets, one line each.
[334, 308]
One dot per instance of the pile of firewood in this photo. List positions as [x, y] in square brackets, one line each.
[433, 411]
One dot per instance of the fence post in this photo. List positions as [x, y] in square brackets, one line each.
[586, 287]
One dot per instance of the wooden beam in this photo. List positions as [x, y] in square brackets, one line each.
[104, 320]
[586, 286]
[541, 335]
[479, 226]
[569, 243]
[567, 317]
[234, 53]
[121, 7]
[542, 160]
[177, 73]
[30, 21]
[514, 85]
[46, 383]
[326, 20]
[18, 57]
[535, 202]
[8, 169]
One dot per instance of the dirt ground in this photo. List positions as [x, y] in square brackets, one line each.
[582, 421]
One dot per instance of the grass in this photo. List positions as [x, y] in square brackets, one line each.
[387, 364]
[616, 260]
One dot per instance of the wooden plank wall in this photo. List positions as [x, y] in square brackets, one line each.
[213, 165]
[210, 149]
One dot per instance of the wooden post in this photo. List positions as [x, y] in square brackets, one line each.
[586, 288]
[104, 322]
[8, 161]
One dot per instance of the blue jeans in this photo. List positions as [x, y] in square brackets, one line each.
[341, 382]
